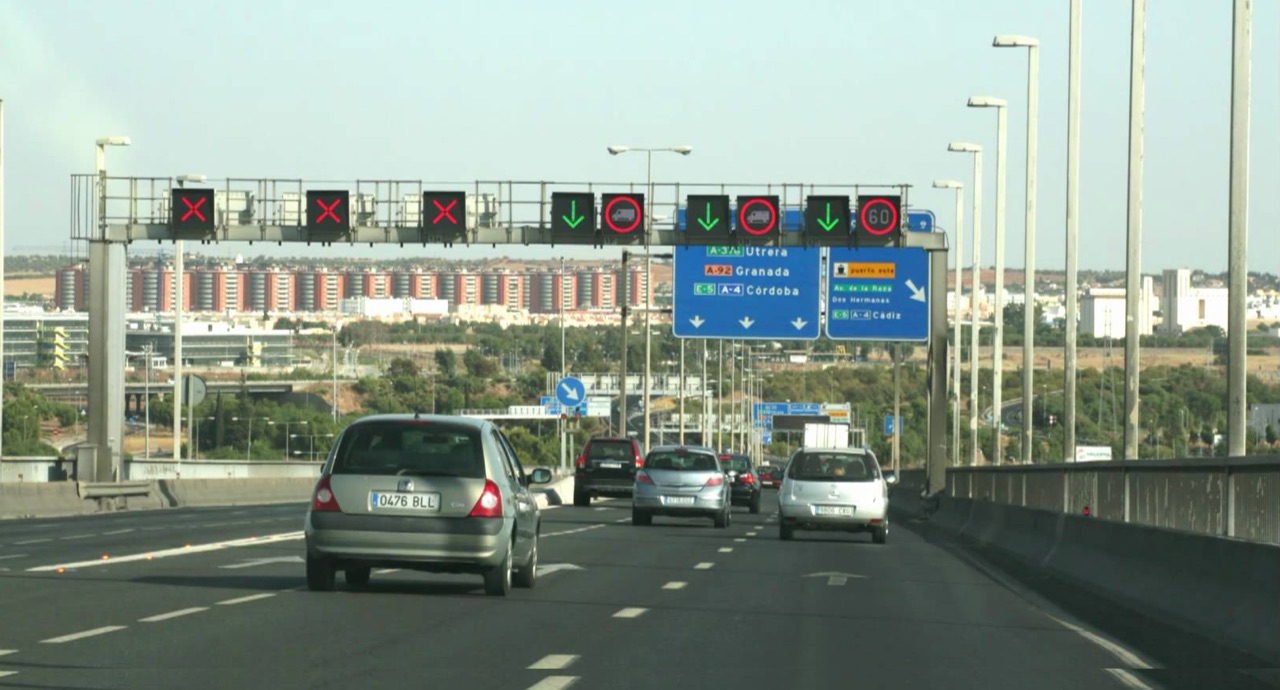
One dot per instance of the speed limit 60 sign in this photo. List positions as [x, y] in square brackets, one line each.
[879, 220]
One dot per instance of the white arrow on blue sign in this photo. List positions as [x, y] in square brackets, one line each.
[571, 392]
[878, 293]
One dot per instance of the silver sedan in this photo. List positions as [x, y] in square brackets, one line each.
[680, 481]
[836, 489]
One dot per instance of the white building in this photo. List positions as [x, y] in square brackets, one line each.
[1102, 311]
[1186, 308]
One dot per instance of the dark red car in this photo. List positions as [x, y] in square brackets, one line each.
[770, 476]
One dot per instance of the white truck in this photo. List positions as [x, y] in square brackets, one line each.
[826, 435]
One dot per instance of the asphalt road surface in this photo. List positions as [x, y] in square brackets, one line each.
[215, 598]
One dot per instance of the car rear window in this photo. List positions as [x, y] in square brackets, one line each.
[847, 467]
[737, 463]
[411, 448]
[684, 462]
[611, 450]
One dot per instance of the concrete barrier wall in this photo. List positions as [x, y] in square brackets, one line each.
[32, 470]
[42, 499]
[1224, 589]
[221, 469]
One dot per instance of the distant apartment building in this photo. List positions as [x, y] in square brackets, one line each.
[1186, 308]
[238, 288]
[1102, 310]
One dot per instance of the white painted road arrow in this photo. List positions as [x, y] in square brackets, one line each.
[837, 579]
[917, 293]
[746, 322]
[569, 391]
[799, 323]
[697, 321]
[262, 561]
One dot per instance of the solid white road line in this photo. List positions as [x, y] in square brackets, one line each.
[180, 551]
[4, 674]
[1126, 678]
[553, 662]
[78, 536]
[8, 651]
[31, 541]
[704, 566]
[173, 614]
[118, 531]
[15, 555]
[675, 585]
[630, 612]
[83, 634]
[1125, 656]
[242, 600]
[554, 683]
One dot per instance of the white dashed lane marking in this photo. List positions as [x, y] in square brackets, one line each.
[245, 600]
[31, 541]
[675, 585]
[726, 549]
[554, 683]
[553, 662]
[83, 634]
[704, 566]
[630, 612]
[173, 614]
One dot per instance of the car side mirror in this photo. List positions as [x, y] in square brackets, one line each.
[890, 477]
[540, 475]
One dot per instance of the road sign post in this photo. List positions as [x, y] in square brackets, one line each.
[746, 292]
[878, 293]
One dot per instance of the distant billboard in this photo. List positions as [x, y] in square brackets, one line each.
[1093, 453]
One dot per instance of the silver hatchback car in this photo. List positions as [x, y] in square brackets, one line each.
[839, 489]
[424, 492]
[679, 481]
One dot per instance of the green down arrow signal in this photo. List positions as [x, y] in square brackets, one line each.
[708, 222]
[574, 218]
[828, 222]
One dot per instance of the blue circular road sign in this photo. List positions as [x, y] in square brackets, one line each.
[571, 392]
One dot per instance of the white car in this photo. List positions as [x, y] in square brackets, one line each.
[835, 489]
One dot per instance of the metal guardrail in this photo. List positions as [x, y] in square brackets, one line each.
[1228, 497]
[114, 489]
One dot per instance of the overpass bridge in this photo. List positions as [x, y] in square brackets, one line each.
[135, 393]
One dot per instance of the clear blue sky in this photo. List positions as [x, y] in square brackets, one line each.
[840, 92]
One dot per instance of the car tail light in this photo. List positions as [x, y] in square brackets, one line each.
[582, 460]
[639, 460]
[490, 503]
[643, 477]
[715, 480]
[323, 498]
[748, 477]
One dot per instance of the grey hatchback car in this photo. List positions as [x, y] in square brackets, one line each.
[433, 493]
[680, 481]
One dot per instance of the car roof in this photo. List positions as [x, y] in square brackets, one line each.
[477, 423]
[672, 449]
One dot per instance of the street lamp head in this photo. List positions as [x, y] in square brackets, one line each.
[964, 147]
[618, 148]
[113, 141]
[191, 177]
[1015, 41]
[947, 184]
[987, 102]
[683, 150]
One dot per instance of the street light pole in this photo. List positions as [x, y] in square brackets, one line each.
[1238, 233]
[974, 411]
[997, 341]
[1032, 45]
[1073, 234]
[1133, 254]
[614, 150]
[957, 326]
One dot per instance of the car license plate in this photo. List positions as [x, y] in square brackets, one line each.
[836, 511]
[403, 500]
[611, 465]
[678, 500]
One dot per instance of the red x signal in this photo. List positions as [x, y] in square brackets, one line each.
[327, 210]
[444, 210]
[193, 209]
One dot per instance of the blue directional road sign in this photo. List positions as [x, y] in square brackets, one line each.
[889, 426]
[571, 392]
[748, 292]
[878, 293]
[920, 221]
